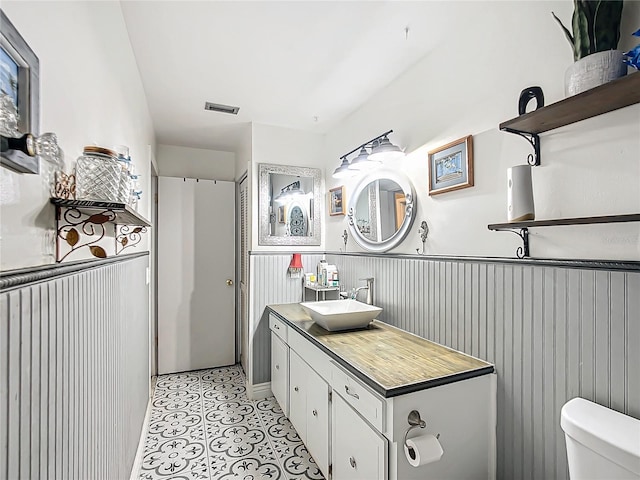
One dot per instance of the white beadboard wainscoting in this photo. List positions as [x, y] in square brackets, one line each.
[555, 330]
[270, 284]
[74, 369]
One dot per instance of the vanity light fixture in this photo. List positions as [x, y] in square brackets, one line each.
[291, 191]
[343, 170]
[363, 161]
[385, 150]
[380, 148]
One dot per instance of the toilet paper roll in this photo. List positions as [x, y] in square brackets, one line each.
[423, 450]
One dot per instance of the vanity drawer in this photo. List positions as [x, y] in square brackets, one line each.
[364, 401]
[316, 358]
[278, 327]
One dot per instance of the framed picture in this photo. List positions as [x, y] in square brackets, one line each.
[451, 166]
[19, 79]
[282, 217]
[336, 201]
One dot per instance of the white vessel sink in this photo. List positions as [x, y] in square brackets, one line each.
[335, 315]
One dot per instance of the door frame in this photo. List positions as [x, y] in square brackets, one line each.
[153, 273]
[240, 344]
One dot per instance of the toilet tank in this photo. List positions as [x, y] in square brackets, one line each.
[601, 443]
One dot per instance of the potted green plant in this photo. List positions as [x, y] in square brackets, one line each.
[594, 40]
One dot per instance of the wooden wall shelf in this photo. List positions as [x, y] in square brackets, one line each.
[611, 96]
[634, 217]
[522, 228]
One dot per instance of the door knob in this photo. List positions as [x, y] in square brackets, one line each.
[229, 282]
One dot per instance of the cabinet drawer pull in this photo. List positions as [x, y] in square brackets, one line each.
[354, 395]
[295, 388]
[314, 412]
[352, 462]
[276, 326]
[277, 367]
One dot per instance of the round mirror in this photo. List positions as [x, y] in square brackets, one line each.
[381, 210]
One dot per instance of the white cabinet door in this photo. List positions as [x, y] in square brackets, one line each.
[298, 374]
[309, 409]
[318, 420]
[358, 452]
[280, 372]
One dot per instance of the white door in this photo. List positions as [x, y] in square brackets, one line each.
[196, 301]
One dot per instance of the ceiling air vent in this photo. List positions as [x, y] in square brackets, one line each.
[217, 107]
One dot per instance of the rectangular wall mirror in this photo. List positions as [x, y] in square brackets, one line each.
[290, 203]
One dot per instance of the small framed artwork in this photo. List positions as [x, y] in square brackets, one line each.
[336, 201]
[282, 217]
[451, 166]
[19, 81]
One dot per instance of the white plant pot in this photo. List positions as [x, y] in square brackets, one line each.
[593, 70]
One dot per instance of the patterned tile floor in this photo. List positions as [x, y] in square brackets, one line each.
[203, 426]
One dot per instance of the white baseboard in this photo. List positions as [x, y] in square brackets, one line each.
[259, 391]
[137, 463]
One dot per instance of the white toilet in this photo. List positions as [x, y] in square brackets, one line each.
[601, 443]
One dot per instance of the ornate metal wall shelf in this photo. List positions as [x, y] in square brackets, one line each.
[522, 228]
[611, 96]
[82, 223]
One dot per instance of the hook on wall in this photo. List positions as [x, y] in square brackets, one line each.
[345, 237]
[423, 231]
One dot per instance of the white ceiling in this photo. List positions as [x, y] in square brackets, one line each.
[298, 64]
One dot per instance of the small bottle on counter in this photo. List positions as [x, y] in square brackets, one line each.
[321, 273]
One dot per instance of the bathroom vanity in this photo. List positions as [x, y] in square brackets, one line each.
[349, 394]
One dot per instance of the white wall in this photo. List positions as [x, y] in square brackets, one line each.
[468, 85]
[174, 161]
[243, 153]
[283, 146]
[90, 92]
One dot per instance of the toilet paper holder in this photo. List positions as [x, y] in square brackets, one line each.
[414, 422]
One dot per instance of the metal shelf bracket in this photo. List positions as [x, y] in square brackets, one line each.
[533, 159]
[77, 229]
[126, 237]
[523, 233]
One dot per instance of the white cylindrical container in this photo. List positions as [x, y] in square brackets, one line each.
[520, 194]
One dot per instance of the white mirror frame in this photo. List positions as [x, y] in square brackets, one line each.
[410, 211]
[265, 170]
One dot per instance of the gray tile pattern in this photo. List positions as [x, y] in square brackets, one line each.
[202, 426]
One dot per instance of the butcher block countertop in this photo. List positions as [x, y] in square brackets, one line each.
[389, 360]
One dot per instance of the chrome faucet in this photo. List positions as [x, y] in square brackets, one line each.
[368, 288]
